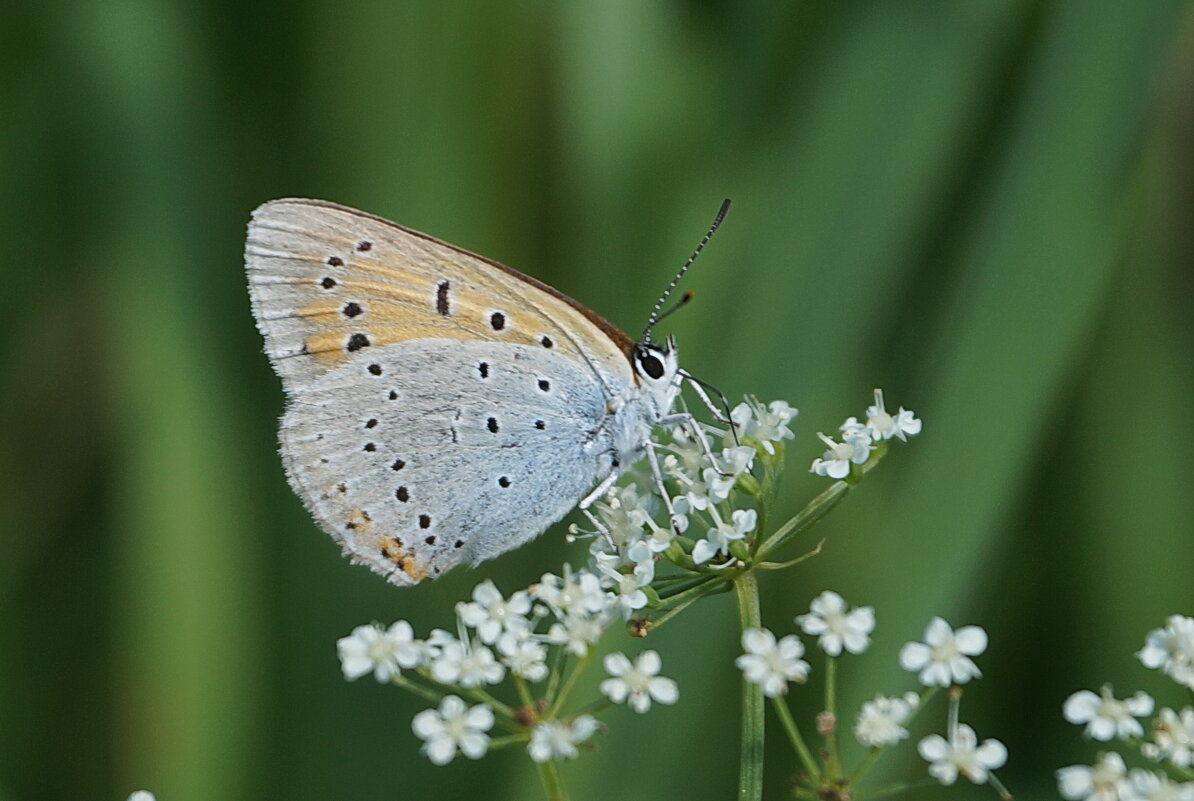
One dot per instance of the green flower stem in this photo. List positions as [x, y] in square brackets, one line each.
[750, 771]
[832, 763]
[680, 587]
[687, 602]
[524, 692]
[1004, 795]
[785, 565]
[507, 741]
[477, 694]
[595, 708]
[785, 719]
[816, 509]
[549, 776]
[864, 766]
[558, 660]
[569, 685]
[892, 789]
[398, 680]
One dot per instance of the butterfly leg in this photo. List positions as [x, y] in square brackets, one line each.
[720, 415]
[597, 494]
[661, 488]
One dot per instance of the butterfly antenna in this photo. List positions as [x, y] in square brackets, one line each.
[680, 304]
[656, 316]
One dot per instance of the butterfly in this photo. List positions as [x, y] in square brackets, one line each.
[443, 408]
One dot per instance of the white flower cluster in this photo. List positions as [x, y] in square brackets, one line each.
[627, 551]
[942, 660]
[1170, 743]
[500, 635]
[858, 440]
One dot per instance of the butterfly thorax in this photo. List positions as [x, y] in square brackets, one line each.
[657, 383]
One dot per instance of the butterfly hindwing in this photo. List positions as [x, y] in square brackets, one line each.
[444, 455]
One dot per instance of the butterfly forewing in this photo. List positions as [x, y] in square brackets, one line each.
[328, 281]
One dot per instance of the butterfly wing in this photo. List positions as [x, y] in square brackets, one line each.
[327, 281]
[442, 408]
[452, 452]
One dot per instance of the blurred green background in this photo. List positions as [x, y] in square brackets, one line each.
[983, 207]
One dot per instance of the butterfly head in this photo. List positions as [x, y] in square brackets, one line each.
[657, 368]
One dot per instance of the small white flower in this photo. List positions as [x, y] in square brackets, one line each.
[767, 424]
[737, 460]
[1149, 786]
[961, 754]
[453, 726]
[771, 664]
[525, 657]
[369, 649]
[772, 423]
[491, 614]
[624, 513]
[466, 665]
[742, 522]
[685, 457]
[944, 657]
[884, 426]
[836, 628]
[1172, 738]
[1171, 649]
[711, 487]
[579, 591]
[577, 632]
[141, 795]
[1105, 781]
[627, 588]
[1105, 716]
[881, 721]
[836, 461]
[639, 681]
[557, 739]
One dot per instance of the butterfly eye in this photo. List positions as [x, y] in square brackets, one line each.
[650, 364]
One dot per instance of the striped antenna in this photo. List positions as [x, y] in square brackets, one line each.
[655, 316]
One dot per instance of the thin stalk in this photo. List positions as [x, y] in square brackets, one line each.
[832, 763]
[785, 719]
[750, 770]
[892, 789]
[549, 776]
[398, 680]
[816, 509]
[569, 684]
[864, 766]
[524, 692]
[679, 591]
[506, 741]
